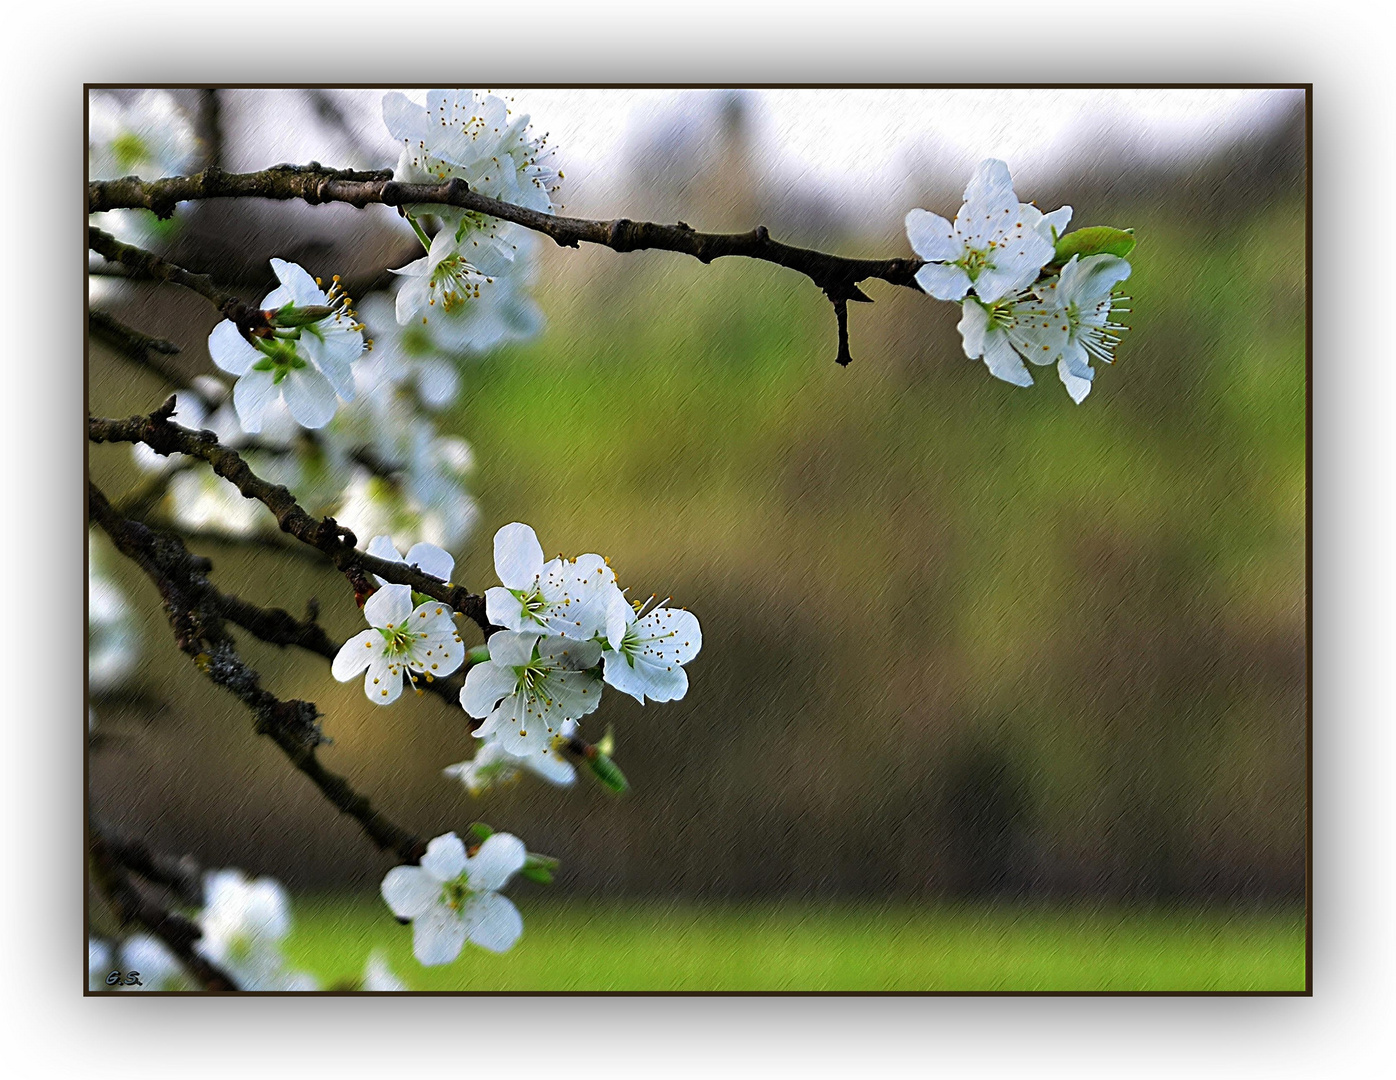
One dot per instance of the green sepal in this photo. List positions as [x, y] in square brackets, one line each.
[478, 654]
[480, 831]
[608, 773]
[264, 364]
[290, 315]
[539, 868]
[1094, 240]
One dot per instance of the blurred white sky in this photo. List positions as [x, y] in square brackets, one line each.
[859, 145]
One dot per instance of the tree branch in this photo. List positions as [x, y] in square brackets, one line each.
[149, 265]
[279, 627]
[191, 604]
[135, 346]
[132, 905]
[837, 276]
[325, 535]
[181, 875]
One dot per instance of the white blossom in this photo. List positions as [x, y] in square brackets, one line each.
[494, 766]
[401, 640]
[565, 597]
[307, 364]
[996, 245]
[242, 926]
[1014, 327]
[645, 653]
[1083, 295]
[530, 686]
[452, 897]
[458, 262]
[480, 140]
[505, 311]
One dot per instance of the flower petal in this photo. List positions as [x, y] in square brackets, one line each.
[383, 679]
[437, 936]
[492, 922]
[445, 858]
[383, 547]
[518, 557]
[502, 608]
[251, 395]
[389, 606]
[404, 119]
[1077, 386]
[943, 281]
[485, 685]
[230, 350]
[301, 285]
[500, 857]
[511, 649]
[1003, 362]
[409, 891]
[355, 654]
[310, 397]
[932, 237]
[973, 325]
[432, 560]
[670, 635]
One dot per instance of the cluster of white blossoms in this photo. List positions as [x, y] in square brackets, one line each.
[568, 630]
[1002, 260]
[458, 134]
[346, 423]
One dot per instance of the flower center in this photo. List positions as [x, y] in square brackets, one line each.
[455, 280]
[974, 262]
[398, 640]
[457, 891]
[532, 603]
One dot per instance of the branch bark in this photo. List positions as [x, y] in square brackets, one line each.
[838, 277]
[139, 348]
[325, 535]
[191, 604]
[132, 905]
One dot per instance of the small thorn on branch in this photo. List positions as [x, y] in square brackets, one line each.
[844, 357]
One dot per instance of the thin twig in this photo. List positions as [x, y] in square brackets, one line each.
[149, 265]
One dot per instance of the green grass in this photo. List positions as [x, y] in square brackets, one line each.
[658, 946]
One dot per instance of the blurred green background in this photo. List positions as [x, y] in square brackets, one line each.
[996, 691]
